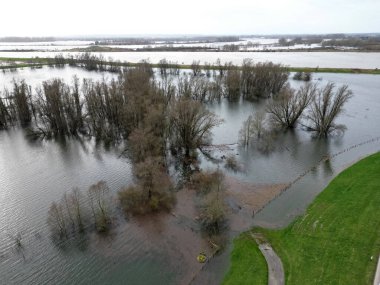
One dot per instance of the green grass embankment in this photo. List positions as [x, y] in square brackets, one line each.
[333, 242]
[247, 263]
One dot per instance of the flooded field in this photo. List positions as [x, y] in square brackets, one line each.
[162, 250]
[294, 59]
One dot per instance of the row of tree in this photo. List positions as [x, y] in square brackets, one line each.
[76, 212]
[89, 62]
[319, 107]
[251, 80]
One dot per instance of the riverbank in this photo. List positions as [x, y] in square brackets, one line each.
[37, 62]
[248, 265]
[337, 241]
[200, 48]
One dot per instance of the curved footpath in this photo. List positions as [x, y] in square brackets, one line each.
[276, 275]
[336, 241]
[376, 281]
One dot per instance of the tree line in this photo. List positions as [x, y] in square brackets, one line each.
[112, 111]
[163, 116]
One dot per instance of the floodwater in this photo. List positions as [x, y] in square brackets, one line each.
[44, 46]
[298, 151]
[35, 77]
[159, 251]
[245, 44]
[65, 45]
[296, 156]
[293, 59]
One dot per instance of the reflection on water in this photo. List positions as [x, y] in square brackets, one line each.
[35, 77]
[32, 175]
[297, 151]
[35, 173]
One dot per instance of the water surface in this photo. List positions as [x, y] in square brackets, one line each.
[34, 173]
[294, 59]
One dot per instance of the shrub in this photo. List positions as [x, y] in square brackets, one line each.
[213, 213]
[205, 182]
[232, 163]
[153, 191]
[304, 76]
[134, 201]
[298, 75]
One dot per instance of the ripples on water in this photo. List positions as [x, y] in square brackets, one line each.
[33, 174]
[297, 151]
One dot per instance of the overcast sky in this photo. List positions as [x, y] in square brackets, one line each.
[115, 17]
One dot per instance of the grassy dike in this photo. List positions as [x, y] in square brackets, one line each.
[332, 243]
[33, 62]
[248, 265]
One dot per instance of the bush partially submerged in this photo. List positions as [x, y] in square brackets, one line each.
[71, 215]
[153, 191]
[134, 201]
[98, 195]
[232, 163]
[213, 213]
[205, 182]
[304, 76]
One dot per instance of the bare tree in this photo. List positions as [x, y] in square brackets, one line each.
[232, 83]
[57, 220]
[213, 208]
[98, 199]
[220, 67]
[216, 88]
[167, 88]
[174, 68]
[191, 124]
[22, 94]
[69, 211]
[153, 189]
[253, 127]
[75, 203]
[325, 107]
[78, 104]
[50, 102]
[207, 68]
[4, 114]
[196, 68]
[286, 109]
[200, 88]
[66, 203]
[151, 176]
[262, 79]
[163, 66]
